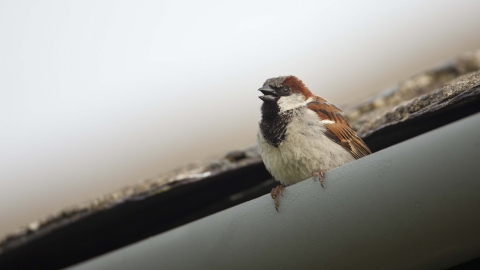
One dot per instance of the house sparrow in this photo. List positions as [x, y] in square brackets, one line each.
[302, 135]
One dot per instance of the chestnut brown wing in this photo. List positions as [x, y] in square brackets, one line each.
[339, 130]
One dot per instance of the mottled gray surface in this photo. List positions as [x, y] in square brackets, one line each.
[189, 173]
[416, 93]
[428, 103]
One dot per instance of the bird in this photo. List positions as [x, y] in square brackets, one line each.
[301, 135]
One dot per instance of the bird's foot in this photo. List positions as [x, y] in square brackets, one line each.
[320, 175]
[276, 191]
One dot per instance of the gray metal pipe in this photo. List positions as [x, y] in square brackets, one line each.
[415, 205]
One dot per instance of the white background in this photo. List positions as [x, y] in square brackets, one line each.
[95, 95]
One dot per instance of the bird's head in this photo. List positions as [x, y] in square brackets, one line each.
[286, 92]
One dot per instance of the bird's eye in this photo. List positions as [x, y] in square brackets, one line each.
[285, 90]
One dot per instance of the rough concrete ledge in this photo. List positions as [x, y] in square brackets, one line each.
[416, 94]
[185, 175]
[453, 92]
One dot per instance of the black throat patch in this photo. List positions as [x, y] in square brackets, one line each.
[274, 124]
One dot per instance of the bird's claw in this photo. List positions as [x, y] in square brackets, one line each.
[275, 192]
[320, 175]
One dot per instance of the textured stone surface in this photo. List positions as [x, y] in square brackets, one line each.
[415, 93]
[451, 92]
[192, 172]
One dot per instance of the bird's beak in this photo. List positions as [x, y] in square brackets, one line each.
[269, 94]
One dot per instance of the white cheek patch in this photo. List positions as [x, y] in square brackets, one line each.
[292, 102]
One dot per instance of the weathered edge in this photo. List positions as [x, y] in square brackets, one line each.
[454, 101]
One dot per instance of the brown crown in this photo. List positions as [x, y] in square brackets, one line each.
[297, 86]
